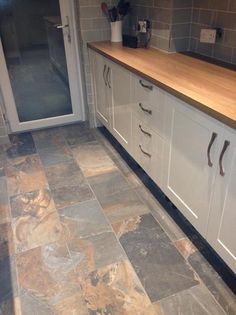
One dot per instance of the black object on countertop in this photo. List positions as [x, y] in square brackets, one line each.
[130, 41]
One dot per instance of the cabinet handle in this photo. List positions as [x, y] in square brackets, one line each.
[213, 137]
[144, 152]
[225, 147]
[150, 87]
[145, 132]
[149, 111]
[108, 77]
[104, 70]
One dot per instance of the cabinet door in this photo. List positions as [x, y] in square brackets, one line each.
[121, 104]
[101, 85]
[189, 178]
[222, 221]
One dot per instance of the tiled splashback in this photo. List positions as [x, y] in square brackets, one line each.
[221, 13]
[177, 23]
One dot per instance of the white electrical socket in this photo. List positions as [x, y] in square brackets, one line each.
[208, 36]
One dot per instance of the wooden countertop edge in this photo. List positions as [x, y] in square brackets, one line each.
[202, 107]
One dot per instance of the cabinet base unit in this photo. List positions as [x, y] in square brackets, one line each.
[188, 154]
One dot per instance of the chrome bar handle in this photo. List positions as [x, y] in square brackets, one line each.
[108, 77]
[67, 25]
[213, 138]
[149, 111]
[144, 152]
[145, 132]
[225, 147]
[150, 87]
[104, 70]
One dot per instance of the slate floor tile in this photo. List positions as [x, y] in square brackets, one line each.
[114, 289]
[225, 297]
[6, 240]
[21, 145]
[11, 306]
[95, 252]
[160, 267]
[93, 160]
[4, 203]
[64, 174]
[83, 220]
[77, 134]
[122, 205]
[48, 138]
[54, 155]
[51, 285]
[8, 279]
[35, 220]
[25, 174]
[194, 301]
[108, 184]
[72, 195]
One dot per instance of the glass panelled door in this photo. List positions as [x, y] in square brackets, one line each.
[41, 63]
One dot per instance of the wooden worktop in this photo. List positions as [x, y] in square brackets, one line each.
[209, 87]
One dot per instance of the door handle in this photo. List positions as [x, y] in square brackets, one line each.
[63, 26]
[145, 132]
[149, 111]
[109, 77]
[213, 138]
[104, 71]
[144, 152]
[225, 147]
[150, 87]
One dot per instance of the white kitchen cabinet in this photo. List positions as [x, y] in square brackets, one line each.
[222, 220]
[100, 68]
[122, 99]
[191, 162]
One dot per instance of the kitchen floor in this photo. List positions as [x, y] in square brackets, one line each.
[81, 234]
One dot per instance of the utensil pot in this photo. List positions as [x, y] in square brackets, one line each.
[116, 31]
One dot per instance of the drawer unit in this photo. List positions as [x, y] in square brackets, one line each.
[149, 104]
[147, 149]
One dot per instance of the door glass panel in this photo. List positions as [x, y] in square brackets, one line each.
[35, 56]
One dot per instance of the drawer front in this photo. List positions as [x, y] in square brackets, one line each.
[149, 104]
[147, 149]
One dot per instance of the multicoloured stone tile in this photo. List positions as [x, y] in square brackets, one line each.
[108, 184]
[71, 195]
[51, 285]
[160, 267]
[25, 174]
[55, 155]
[122, 205]
[64, 174]
[115, 289]
[83, 220]
[194, 301]
[21, 145]
[77, 134]
[4, 203]
[8, 279]
[95, 251]
[35, 220]
[93, 160]
[185, 247]
[48, 138]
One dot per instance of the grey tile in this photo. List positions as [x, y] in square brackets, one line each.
[54, 155]
[64, 174]
[21, 145]
[108, 184]
[194, 301]
[83, 220]
[214, 283]
[71, 195]
[95, 252]
[161, 269]
[77, 134]
[122, 205]
[48, 138]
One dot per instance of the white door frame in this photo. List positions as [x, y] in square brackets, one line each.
[74, 66]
